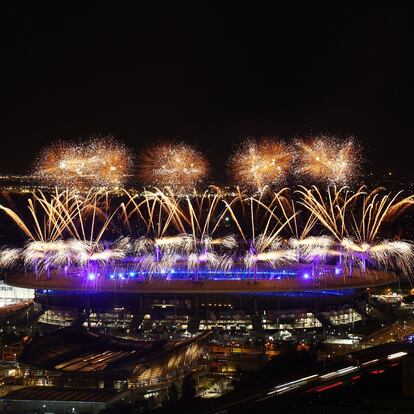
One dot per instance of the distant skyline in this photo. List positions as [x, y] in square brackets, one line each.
[208, 75]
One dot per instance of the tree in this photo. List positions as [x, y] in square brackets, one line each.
[173, 393]
[188, 388]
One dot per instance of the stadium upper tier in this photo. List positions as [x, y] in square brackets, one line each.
[289, 279]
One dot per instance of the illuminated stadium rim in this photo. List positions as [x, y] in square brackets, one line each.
[305, 271]
[298, 294]
[304, 278]
[174, 274]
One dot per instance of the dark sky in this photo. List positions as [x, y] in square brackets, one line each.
[210, 73]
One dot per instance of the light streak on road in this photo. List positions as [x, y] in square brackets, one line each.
[339, 372]
[369, 362]
[397, 355]
[328, 377]
[280, 389]
[328, 387]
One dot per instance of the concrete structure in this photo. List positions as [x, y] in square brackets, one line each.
[76, 357]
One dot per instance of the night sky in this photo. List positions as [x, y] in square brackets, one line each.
[209, 74]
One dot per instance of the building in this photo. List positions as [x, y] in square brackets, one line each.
[76, 357]
[10, 295]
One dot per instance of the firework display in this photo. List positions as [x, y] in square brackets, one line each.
[258, 164]
[177, 166]
[95, 162]
[158, 235]
[96, 228]
[328, 159]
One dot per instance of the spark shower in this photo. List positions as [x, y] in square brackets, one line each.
[89, 225]
[156, 234]
[255, 165]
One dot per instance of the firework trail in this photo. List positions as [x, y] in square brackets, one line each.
[312, 247]
[220, 232]
[64, 214]
[359, 215]
[333, 209]
[387, 254]
[9, 257]
[264, 249]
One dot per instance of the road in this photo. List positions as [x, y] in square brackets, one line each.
[369, 361]
[395, 332]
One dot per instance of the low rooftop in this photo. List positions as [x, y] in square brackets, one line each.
[74, 351]
[62, 394]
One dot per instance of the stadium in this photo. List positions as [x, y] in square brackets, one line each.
[95, 251]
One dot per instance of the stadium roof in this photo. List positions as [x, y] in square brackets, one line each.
[63, 394]
[74, 351]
